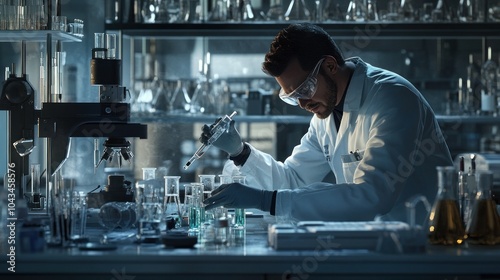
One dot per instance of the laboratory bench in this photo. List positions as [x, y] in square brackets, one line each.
[249, 257]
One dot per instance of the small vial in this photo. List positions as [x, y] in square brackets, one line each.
[100, 44]
[111, 46]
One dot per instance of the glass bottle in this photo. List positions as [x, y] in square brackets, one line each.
[484, 226]
[473, 85]
[445, 224]
[488, 74]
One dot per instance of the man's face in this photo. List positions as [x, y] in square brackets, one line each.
[323, 97]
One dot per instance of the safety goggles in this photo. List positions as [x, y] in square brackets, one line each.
[306, 90]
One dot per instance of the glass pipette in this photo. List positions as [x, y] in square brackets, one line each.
[220, 127]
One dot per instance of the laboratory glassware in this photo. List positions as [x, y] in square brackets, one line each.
[239, 213]
[297, 10]
[484, 225]
[33, 194]
[208, 182]
[172, 199]
[445, 224]
[148, 173]
[117, 215]
[149, 199]
[225, 179]
[78, 215]
[194, 204]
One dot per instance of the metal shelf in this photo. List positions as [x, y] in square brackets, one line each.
[468, 119]
[36, 36]
[285, 119]
[167, 118]
[337, 29]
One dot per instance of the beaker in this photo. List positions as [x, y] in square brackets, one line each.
[225, 179]
[148, 173]
[111, 46]
[100, 45]
[208, 182]
[194, 206]
[149, 200]
[239, 213]
[484, 226]
[445, 224]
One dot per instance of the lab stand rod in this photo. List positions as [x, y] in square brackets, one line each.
[48, 141]
[23, 58]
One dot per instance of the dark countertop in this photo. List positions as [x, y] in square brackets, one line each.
[249, 257]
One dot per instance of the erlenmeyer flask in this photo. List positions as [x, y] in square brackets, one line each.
[275, 11]
[407, 12]
[466, 10]
[332, 11]
[484, 226]
[179, 101]
[200, 102]
[371, 10]
[445, 224]
[172, 197]
[441, 11]
[355, 11]
[297, 10]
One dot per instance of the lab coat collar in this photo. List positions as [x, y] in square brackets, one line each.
[354, 91]
[352, 103]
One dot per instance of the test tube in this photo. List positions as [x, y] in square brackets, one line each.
[41, 82]
[111, 46]
[34, 192]
[57, 63]
[100, 44]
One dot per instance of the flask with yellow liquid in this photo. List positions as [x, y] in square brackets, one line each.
[445, 223]
[484, 225]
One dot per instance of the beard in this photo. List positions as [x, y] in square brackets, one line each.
[332, 88]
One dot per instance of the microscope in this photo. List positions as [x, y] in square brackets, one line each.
[58, 121]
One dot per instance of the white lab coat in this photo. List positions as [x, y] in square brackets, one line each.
[396, 144]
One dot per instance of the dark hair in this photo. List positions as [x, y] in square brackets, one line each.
[308, 42]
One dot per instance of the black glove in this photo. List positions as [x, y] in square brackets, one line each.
[236, 195]
[230, 141]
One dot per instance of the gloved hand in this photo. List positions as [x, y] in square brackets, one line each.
[230, 141]
[237, 195]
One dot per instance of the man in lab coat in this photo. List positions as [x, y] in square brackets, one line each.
[371, 127]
